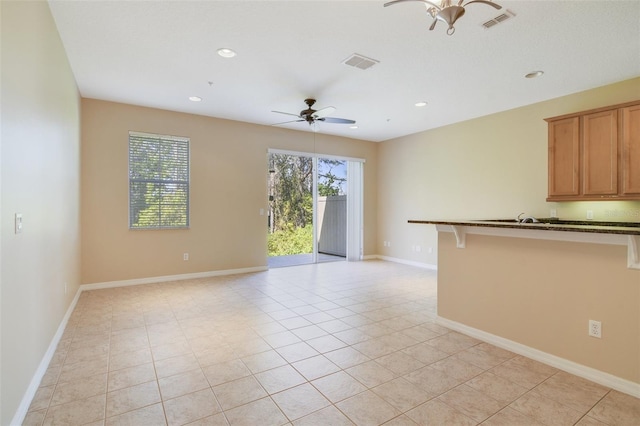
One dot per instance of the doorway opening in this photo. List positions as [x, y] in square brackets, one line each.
[309, 206]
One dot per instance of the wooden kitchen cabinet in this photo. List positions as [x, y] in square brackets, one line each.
[595, 155]
[630, 146]
[599, 143]
[564, 157]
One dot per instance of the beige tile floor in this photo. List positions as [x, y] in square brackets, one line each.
[328, 344]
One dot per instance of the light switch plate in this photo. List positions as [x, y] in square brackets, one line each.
[18, 223]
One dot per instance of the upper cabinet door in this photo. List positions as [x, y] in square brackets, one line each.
[630, 146]
[600, 153]
[564, 157]
[595, 155]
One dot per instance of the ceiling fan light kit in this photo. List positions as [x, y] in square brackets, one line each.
[448, 11]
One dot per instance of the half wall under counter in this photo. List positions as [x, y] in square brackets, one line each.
[533, 288]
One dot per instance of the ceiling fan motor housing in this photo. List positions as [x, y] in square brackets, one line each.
[307, 114]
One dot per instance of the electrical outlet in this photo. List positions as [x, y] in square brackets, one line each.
[553, 213]
[595, 329]
[185, 256]
[589, 214]
[430, 250]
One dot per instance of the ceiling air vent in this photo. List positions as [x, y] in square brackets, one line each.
[498, 19]
[360, 61]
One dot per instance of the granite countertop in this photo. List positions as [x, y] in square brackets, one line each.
[547, 224]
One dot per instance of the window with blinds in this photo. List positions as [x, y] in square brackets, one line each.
[158, 181]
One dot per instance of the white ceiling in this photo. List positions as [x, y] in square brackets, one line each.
[158, 53]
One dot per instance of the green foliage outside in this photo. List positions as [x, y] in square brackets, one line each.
[158, 182]
[329, 184]
[291, 207]
[291, 241]
[161, 210]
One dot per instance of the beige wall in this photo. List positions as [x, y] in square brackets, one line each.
[543, 293]
[490, 167]
[40, 179]
[228, 189]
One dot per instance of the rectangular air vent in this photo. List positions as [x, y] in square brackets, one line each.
[359, 61]
[498, 19]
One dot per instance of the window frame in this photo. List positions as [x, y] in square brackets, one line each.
[179, 142]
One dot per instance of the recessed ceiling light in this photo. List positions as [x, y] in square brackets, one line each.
[195, 98]
[353, 127]
[534, 74]
[421, 104]
[226, 52]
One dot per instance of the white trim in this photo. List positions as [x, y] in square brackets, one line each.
[30, 393]
[314, 155]
[152, 280]
[403, 261]
[597, 376]
[461, 236]
[355, 222]
[315, 241]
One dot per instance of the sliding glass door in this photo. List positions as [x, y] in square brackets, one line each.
[331, 210]
[315, 209]
[291, 213]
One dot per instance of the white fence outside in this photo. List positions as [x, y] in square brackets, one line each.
[332, 225]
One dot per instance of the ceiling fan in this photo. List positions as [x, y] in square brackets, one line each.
[447, 11]
[313, 116]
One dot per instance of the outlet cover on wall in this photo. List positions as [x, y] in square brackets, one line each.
[595, 329]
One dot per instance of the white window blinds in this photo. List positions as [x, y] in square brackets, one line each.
[158, 181]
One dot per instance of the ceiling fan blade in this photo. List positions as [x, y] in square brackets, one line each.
[489, 3]
[287, 122]
[286, 113]
[336, 120]
[391, 3]
[323, 112]
[433, 25]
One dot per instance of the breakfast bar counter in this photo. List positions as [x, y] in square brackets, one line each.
[617, 233]
[533, 288]
[552, 224]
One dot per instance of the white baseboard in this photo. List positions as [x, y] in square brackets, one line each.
[140, 281]
[370, 257]
[30, 393]
[597, 376]
[407, 262]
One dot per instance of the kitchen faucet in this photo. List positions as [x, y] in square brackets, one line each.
[528, 219]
